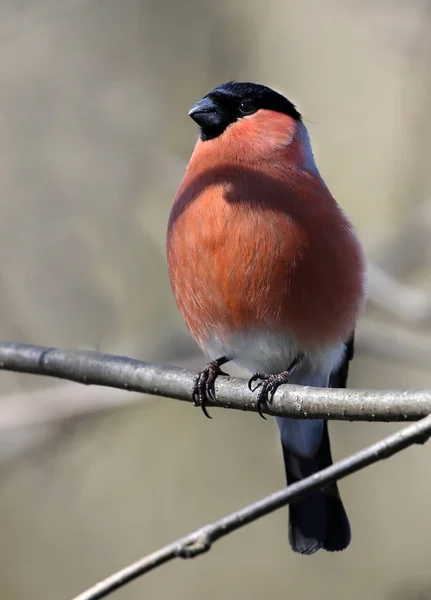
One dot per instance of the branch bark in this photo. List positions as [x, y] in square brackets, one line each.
[201, 540]
[95, 368]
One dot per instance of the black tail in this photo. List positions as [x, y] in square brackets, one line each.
[319, 520]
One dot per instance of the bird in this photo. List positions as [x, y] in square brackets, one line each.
[268, 272]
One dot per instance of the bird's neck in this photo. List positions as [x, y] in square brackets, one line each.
[256, 151]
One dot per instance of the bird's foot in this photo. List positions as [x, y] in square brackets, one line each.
[204, 383]
[269, 384]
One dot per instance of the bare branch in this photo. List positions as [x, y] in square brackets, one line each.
[396, 298]
[201, 540]
[409, 244]
[392, 342]
[58, 403]
[291, 401]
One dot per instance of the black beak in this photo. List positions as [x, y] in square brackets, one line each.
[206, 113]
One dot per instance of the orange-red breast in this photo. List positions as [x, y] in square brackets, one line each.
[268, 272]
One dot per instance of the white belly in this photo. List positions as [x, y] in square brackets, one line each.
[270, 352]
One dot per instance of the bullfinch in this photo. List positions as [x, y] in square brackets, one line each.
[268, 272]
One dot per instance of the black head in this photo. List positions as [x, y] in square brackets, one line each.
[232, 101]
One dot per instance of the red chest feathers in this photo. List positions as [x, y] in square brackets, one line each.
[246, 251]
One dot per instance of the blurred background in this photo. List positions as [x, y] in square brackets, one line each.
[94, 138]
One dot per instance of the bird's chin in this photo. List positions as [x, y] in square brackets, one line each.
[211, 126]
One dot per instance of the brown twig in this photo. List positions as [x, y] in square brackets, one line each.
[201, 540]
[291, 401]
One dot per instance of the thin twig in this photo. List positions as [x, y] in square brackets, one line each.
[291, 401]
[398, 299]
[201, 540]
[58, 403]
[407, 248]
[393, 342]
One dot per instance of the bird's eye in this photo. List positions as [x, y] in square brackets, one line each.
[247, 107]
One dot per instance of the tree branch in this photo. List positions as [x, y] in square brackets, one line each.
[201, 540]
[291, 401]
[392, 342]
[396, 298]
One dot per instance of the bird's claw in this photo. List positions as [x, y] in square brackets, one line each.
[255, 377]
[268, 386]
[204, 386]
